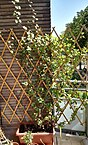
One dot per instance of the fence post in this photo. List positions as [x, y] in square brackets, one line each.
[86, 127]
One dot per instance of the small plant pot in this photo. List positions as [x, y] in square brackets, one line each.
[38, 137]
[15, 143]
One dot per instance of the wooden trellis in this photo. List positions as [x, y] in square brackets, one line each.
[13, 93]
[83, 80]
[10, 82]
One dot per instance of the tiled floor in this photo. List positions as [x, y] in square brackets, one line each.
[69, 140]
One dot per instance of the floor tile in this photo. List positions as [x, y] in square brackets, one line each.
[68, 140]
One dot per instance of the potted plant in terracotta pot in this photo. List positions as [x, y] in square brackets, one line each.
[49, 64]
[39, 131]
[43, 67]
[37, 87]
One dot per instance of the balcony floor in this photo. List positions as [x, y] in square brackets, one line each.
[67, 139]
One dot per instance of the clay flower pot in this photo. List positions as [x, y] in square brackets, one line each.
[15, 143]
[39, 137]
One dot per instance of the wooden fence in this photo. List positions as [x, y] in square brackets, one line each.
[41, 10]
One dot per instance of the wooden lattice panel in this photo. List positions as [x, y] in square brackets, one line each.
[78, 83]
[15, 102]
[11, 90]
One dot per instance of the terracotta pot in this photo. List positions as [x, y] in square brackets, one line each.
[39, 138]
[15, 143]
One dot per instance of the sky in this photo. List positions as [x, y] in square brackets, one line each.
[63, 12]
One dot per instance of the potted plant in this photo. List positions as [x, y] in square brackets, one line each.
[47, 82]
[37, 88]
